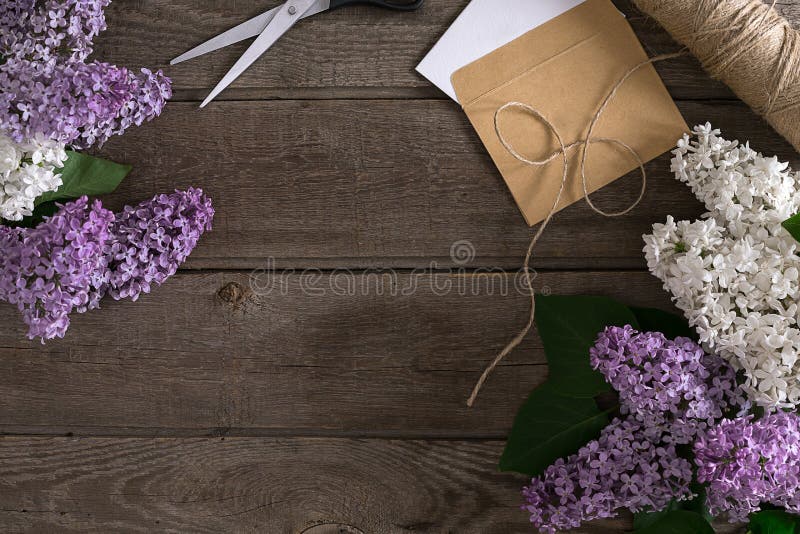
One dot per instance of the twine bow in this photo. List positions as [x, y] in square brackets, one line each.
[563, 152]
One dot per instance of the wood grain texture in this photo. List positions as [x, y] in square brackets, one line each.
[356, 52]
[275, 486]
[385, 183]
[322, 353]
[264, 485]
[335, 398]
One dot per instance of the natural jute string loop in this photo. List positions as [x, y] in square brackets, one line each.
[746, 44]
[563, 152]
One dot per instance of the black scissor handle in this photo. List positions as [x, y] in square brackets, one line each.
[399, 5]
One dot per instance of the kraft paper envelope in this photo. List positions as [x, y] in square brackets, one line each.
[564, 69]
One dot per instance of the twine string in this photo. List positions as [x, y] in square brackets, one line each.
[563, 152]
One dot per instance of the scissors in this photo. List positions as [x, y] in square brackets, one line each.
[269, 27]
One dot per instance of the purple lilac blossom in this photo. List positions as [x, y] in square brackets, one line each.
[672, 385]
[76, 257]
[48, 272]
[48, 89]
[620, 469]
[670, 391]
[82, 104]
[150, 241]
[43, 30]
[747, 462]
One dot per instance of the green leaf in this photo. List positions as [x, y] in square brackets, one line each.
[568, 326]
[792, 225]
[774, 522]
[671, 325]
[679, 522]
[86, 175]
[698, 504]
[642, 520]
[550, 426]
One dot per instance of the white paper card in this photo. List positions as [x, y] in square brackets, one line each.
[482, 27]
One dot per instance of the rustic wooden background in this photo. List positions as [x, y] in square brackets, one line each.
[210, 407]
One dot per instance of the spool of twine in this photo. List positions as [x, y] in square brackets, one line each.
[747, 45]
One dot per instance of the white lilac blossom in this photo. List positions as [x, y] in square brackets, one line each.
[735, 273]
[27, 170]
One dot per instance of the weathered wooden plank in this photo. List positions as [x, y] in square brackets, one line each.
[335, 55]
[286, 485]
[322, 353]
[260, 485]
[385, 183]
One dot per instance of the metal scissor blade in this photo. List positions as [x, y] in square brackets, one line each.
[286, 17]
[245, 30]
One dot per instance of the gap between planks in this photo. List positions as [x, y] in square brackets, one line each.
[16, 431]
[254, 94]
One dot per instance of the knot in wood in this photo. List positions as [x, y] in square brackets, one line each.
[232, 293]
